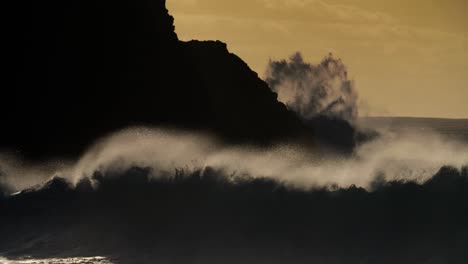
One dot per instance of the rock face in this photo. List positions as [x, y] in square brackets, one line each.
[79, 69]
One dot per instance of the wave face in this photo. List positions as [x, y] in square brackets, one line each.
[212, 217]
[81, 69]
[147, 195]
[407, 155]
[150, 195]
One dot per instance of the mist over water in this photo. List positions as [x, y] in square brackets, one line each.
[406, 156]
[158, 195]
[411, 154]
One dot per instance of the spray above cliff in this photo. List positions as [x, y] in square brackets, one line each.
[311, 90]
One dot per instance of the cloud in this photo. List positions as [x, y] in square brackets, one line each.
[317, 10]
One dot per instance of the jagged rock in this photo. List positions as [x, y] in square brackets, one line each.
[82, 68]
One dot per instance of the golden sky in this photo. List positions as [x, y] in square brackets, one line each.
[407, 57]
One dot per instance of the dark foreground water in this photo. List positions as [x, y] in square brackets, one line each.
[143, 215]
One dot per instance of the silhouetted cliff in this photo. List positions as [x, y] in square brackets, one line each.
[79, 69]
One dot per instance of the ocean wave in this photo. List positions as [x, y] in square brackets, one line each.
[215, 217]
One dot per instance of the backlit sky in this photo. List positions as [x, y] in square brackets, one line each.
[407, 57]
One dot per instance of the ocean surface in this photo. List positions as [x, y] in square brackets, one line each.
[353, 199]
[456, 129]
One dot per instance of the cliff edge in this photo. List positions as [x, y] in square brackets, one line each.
[79, 69]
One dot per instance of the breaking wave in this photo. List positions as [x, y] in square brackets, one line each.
[408, 157]
[150, 195]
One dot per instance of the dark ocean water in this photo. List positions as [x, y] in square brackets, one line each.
[211, 217]
[451, 128]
